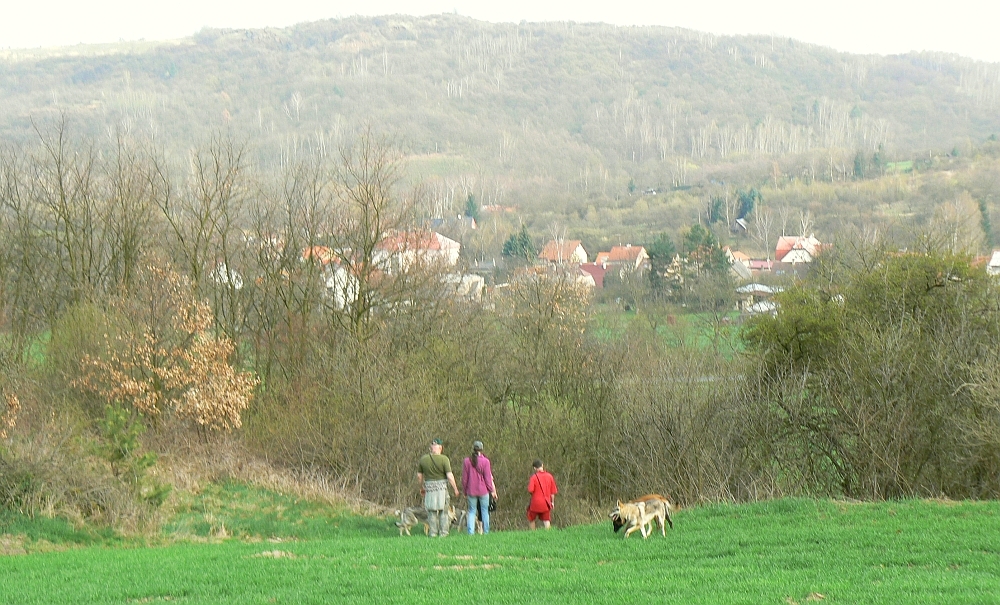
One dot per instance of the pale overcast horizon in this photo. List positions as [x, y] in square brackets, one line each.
[966, 28]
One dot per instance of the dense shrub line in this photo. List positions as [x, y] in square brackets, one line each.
[876, 379]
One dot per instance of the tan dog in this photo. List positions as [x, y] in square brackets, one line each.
[655, 505]
[659, 511]
[411, 515]
[633, 517]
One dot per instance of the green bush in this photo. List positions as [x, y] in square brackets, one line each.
[869, 373]
[119, 445]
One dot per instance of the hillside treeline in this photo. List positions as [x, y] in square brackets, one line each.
[146, 307]
[570, 122]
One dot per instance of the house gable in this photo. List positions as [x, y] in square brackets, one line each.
[805, 248]
[564, 251]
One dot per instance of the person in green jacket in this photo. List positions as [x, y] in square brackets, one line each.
[434, 474]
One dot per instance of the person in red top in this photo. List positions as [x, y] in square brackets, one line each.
[542, 487]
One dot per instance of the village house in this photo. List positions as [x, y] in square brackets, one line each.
[554, 270]
[466, 287]
[797, 249]
[735, 256]
[628, 257]
[758, 266]
[993, 266]
[756, 298]
[792, 257]
[564, 251]
[341, 284]
[739, 264]
[585, 278]
[402, 249]
[397, 252]
[226, 276]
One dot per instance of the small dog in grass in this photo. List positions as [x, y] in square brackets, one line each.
[411, 515]
[654, 508]
[460, 522]
[462, 518]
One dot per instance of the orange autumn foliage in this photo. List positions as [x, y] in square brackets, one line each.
[167, 358]
[9, 418]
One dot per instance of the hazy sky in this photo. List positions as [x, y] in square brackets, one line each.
[967, 27]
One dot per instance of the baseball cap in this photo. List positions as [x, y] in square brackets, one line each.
[437, 442]
[477, 445]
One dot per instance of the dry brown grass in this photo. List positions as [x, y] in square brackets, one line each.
[12, 545]
[52, 474]
[189, 464]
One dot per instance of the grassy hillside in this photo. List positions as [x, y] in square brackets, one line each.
[788, 551]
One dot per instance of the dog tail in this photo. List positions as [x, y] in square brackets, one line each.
[666, 510]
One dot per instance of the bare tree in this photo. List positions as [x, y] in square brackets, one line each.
[763, 225]
[24, 271]
[75, 219]
[289, 224]
[203, 218]
[805, 223]
[784, 215]
[132, 188]
[66, 189]
[369, 209]
[558, 234]
[732, 204]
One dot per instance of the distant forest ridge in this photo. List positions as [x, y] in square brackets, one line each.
[531, 111]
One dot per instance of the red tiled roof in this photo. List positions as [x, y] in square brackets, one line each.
[627, 253]
[787, 243]
[321, 253]
[554, 254]
[596, 271]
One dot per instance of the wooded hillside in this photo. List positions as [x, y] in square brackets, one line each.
[559, 119]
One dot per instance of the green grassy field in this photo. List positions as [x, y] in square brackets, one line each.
[684, 329]
[789, 551]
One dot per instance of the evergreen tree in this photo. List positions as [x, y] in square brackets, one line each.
[661, 253]
[878, 162]
[984, 221]
[703, 252]
[697, 237]
[519, 245]
[715, 207]
[859, 166]
[472, 208]
[749, 199]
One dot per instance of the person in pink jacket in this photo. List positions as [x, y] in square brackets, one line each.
[477, 483]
